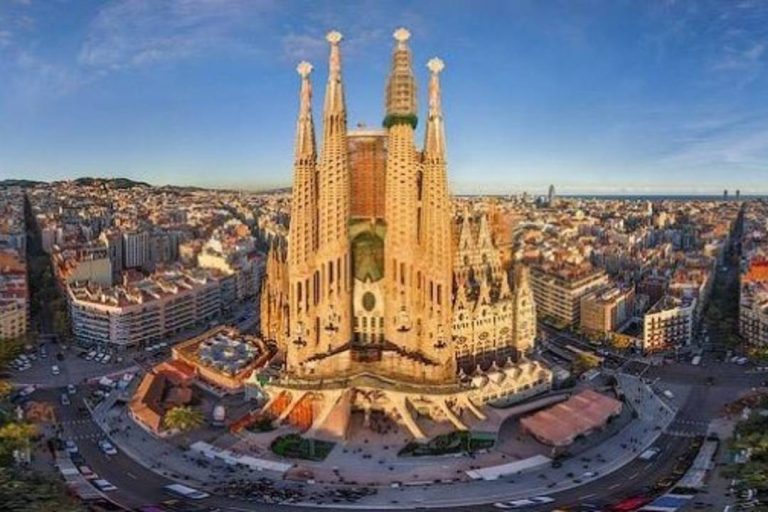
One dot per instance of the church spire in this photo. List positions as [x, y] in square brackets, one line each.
[333, 307]
[305, 129]
[334, 92]
[401, 86]
[434, 145]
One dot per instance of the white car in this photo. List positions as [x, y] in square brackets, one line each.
[55, 370]
[106, 359]
[70, 446]
[107, 447]
[514, 504]
[71, 389]
[27, 391]
[90, 355]
[104, 485]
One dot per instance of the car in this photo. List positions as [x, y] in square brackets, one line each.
[90, 355]
[514, 504]
[28, 390]
[542, 499]
[104, 485]
[65, 399]
[107, 447]
[88, 473]
[55, 370]
[71, 389]
[71, 447]
[106, 359]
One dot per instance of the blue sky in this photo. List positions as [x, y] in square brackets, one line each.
[593, 96]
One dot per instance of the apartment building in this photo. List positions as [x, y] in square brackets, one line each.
[14, 295]
[753, 303]
[558, 291]
[146, 310]
[604, 311]
[669, 324]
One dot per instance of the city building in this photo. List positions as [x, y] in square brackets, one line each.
[606, 310]
[558, 291]
[146, 310]
[223, 358]
[82, 263]
[753, 303]
[164, 387]
[14, 295]
[668, 324]
[360, 301]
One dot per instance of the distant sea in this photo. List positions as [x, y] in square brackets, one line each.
[663, 197]
[638, 197]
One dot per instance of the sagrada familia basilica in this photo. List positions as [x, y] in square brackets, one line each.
[385, 299]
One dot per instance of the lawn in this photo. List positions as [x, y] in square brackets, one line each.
[454, 442]
[293, 446]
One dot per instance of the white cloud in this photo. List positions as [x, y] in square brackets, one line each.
[744, 59]
[740, 148]
[303, 47]
[128, 33]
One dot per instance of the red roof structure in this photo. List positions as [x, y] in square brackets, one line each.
[581, 414]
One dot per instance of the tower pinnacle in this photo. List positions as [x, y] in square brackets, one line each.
[305, 129]
[401, 86]
[334, 94]
[401, 35]
[434, 145]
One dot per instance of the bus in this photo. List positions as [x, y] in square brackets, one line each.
[183, 491]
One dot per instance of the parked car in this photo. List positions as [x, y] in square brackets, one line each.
[65, 399]
[104, 485]
[71, 389]
[88, 473]
[55, 370]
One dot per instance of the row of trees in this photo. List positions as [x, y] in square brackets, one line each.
[21, 488]
[752, 435]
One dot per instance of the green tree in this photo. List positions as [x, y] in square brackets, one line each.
[183, 418]
[9, 349]
[15, 435]
[5, 389]
[583, 363]
[33, 492]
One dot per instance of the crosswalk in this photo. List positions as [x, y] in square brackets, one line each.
[82, 429]
[688, 428]
[91, 436]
